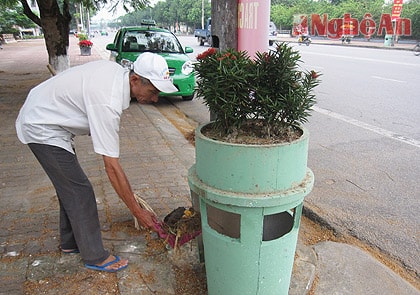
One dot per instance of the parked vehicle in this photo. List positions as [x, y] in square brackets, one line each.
[130, 42]
[272, 35]
[204, 35]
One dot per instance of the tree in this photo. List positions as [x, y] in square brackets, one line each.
[287, 3]
[412, 11]
[281, 16]
[55, 25]
[55, 18]
[161, 13]
[189, 12]
[134, 18]
[11, 17]
[170, 12]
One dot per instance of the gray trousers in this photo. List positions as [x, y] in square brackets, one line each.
[79, 221]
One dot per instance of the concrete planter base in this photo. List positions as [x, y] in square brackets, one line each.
[250, 198]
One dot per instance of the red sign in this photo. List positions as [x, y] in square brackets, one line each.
[335, 28]
[396, 10]
[300, 24]
[349, 26]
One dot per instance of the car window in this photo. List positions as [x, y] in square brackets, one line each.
[141, 41]
[117, 37]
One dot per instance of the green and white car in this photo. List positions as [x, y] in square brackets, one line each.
[130, 42]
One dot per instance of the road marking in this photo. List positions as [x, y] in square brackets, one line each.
[387, 79]
[378, 130]
[366, 59]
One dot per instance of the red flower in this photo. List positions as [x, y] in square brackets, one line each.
[228, 56]
[85, 43]
[314, 74]
[267, 57]
[209, 52]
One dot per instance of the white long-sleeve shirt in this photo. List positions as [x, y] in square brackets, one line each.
[86, 99]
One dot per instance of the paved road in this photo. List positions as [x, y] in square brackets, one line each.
[365, 146]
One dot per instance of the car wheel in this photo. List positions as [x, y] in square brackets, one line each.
[188, 97]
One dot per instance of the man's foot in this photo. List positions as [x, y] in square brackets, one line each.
[111, 264]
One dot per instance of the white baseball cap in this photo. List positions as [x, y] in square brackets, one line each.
[154, 68]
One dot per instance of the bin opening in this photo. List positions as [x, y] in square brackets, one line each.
[225, 223]
[277, 225]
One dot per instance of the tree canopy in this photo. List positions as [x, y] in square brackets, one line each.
[169, 13]
[12, 17]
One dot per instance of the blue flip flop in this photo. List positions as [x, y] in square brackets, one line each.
[73, 251]
[103, 267]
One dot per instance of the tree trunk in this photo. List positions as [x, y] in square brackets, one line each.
[56, 27]
[224, 27]
[55, 24]
[224, 24]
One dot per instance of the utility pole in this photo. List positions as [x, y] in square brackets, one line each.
[202, 14]
[80, 26]
[87, 22]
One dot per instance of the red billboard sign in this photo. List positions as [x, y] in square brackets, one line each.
[396, 10]
[335, 28]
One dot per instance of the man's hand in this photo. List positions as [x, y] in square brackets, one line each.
[147, 219]
[122, 187]
[138, 221]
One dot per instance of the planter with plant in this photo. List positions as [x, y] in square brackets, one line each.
[251, 174]
[85, 45]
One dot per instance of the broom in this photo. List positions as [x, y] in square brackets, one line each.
[178, 227]
[143, 204]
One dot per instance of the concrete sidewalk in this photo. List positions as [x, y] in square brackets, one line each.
[156, 157]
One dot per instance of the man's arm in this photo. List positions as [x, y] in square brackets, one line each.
[122, 187]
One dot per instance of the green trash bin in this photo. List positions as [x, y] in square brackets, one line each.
[249, 246]
[388, 40]
[250, 199]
